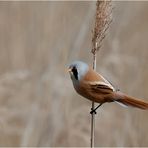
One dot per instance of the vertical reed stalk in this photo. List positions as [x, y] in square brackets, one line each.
[93, 107]
[102, 23]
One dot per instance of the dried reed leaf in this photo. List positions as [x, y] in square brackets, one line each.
[102, 22]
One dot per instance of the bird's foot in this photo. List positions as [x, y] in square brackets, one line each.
[93, 111]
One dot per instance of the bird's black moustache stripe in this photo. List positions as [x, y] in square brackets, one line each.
[75, 73]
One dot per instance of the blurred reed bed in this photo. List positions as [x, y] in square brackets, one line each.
[38, 106]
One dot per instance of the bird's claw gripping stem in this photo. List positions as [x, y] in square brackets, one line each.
[93, 111]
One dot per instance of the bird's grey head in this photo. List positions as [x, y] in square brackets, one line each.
[77, 70]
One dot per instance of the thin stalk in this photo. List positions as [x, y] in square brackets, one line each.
[93, 107]
[102, 22]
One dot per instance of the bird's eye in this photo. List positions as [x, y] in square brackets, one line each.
[75, 73]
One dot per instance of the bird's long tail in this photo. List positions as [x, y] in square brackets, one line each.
[130, 101]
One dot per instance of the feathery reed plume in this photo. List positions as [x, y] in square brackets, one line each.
[102, 22]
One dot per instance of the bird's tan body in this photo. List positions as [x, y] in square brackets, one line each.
[96, 88]
[85, 89]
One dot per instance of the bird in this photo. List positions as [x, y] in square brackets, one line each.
[94, 87]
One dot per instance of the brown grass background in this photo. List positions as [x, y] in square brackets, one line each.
[38, 105]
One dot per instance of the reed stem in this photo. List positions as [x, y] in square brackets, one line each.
[93, 107]
[103, 19]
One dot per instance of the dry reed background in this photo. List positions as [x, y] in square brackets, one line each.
[38, 106]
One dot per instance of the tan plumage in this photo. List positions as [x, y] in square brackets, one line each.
[95, 87]
[131, 101]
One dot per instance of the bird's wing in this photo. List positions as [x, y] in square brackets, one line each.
[106, 82]
[100, 87]
[97, 83]
[109, 82]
